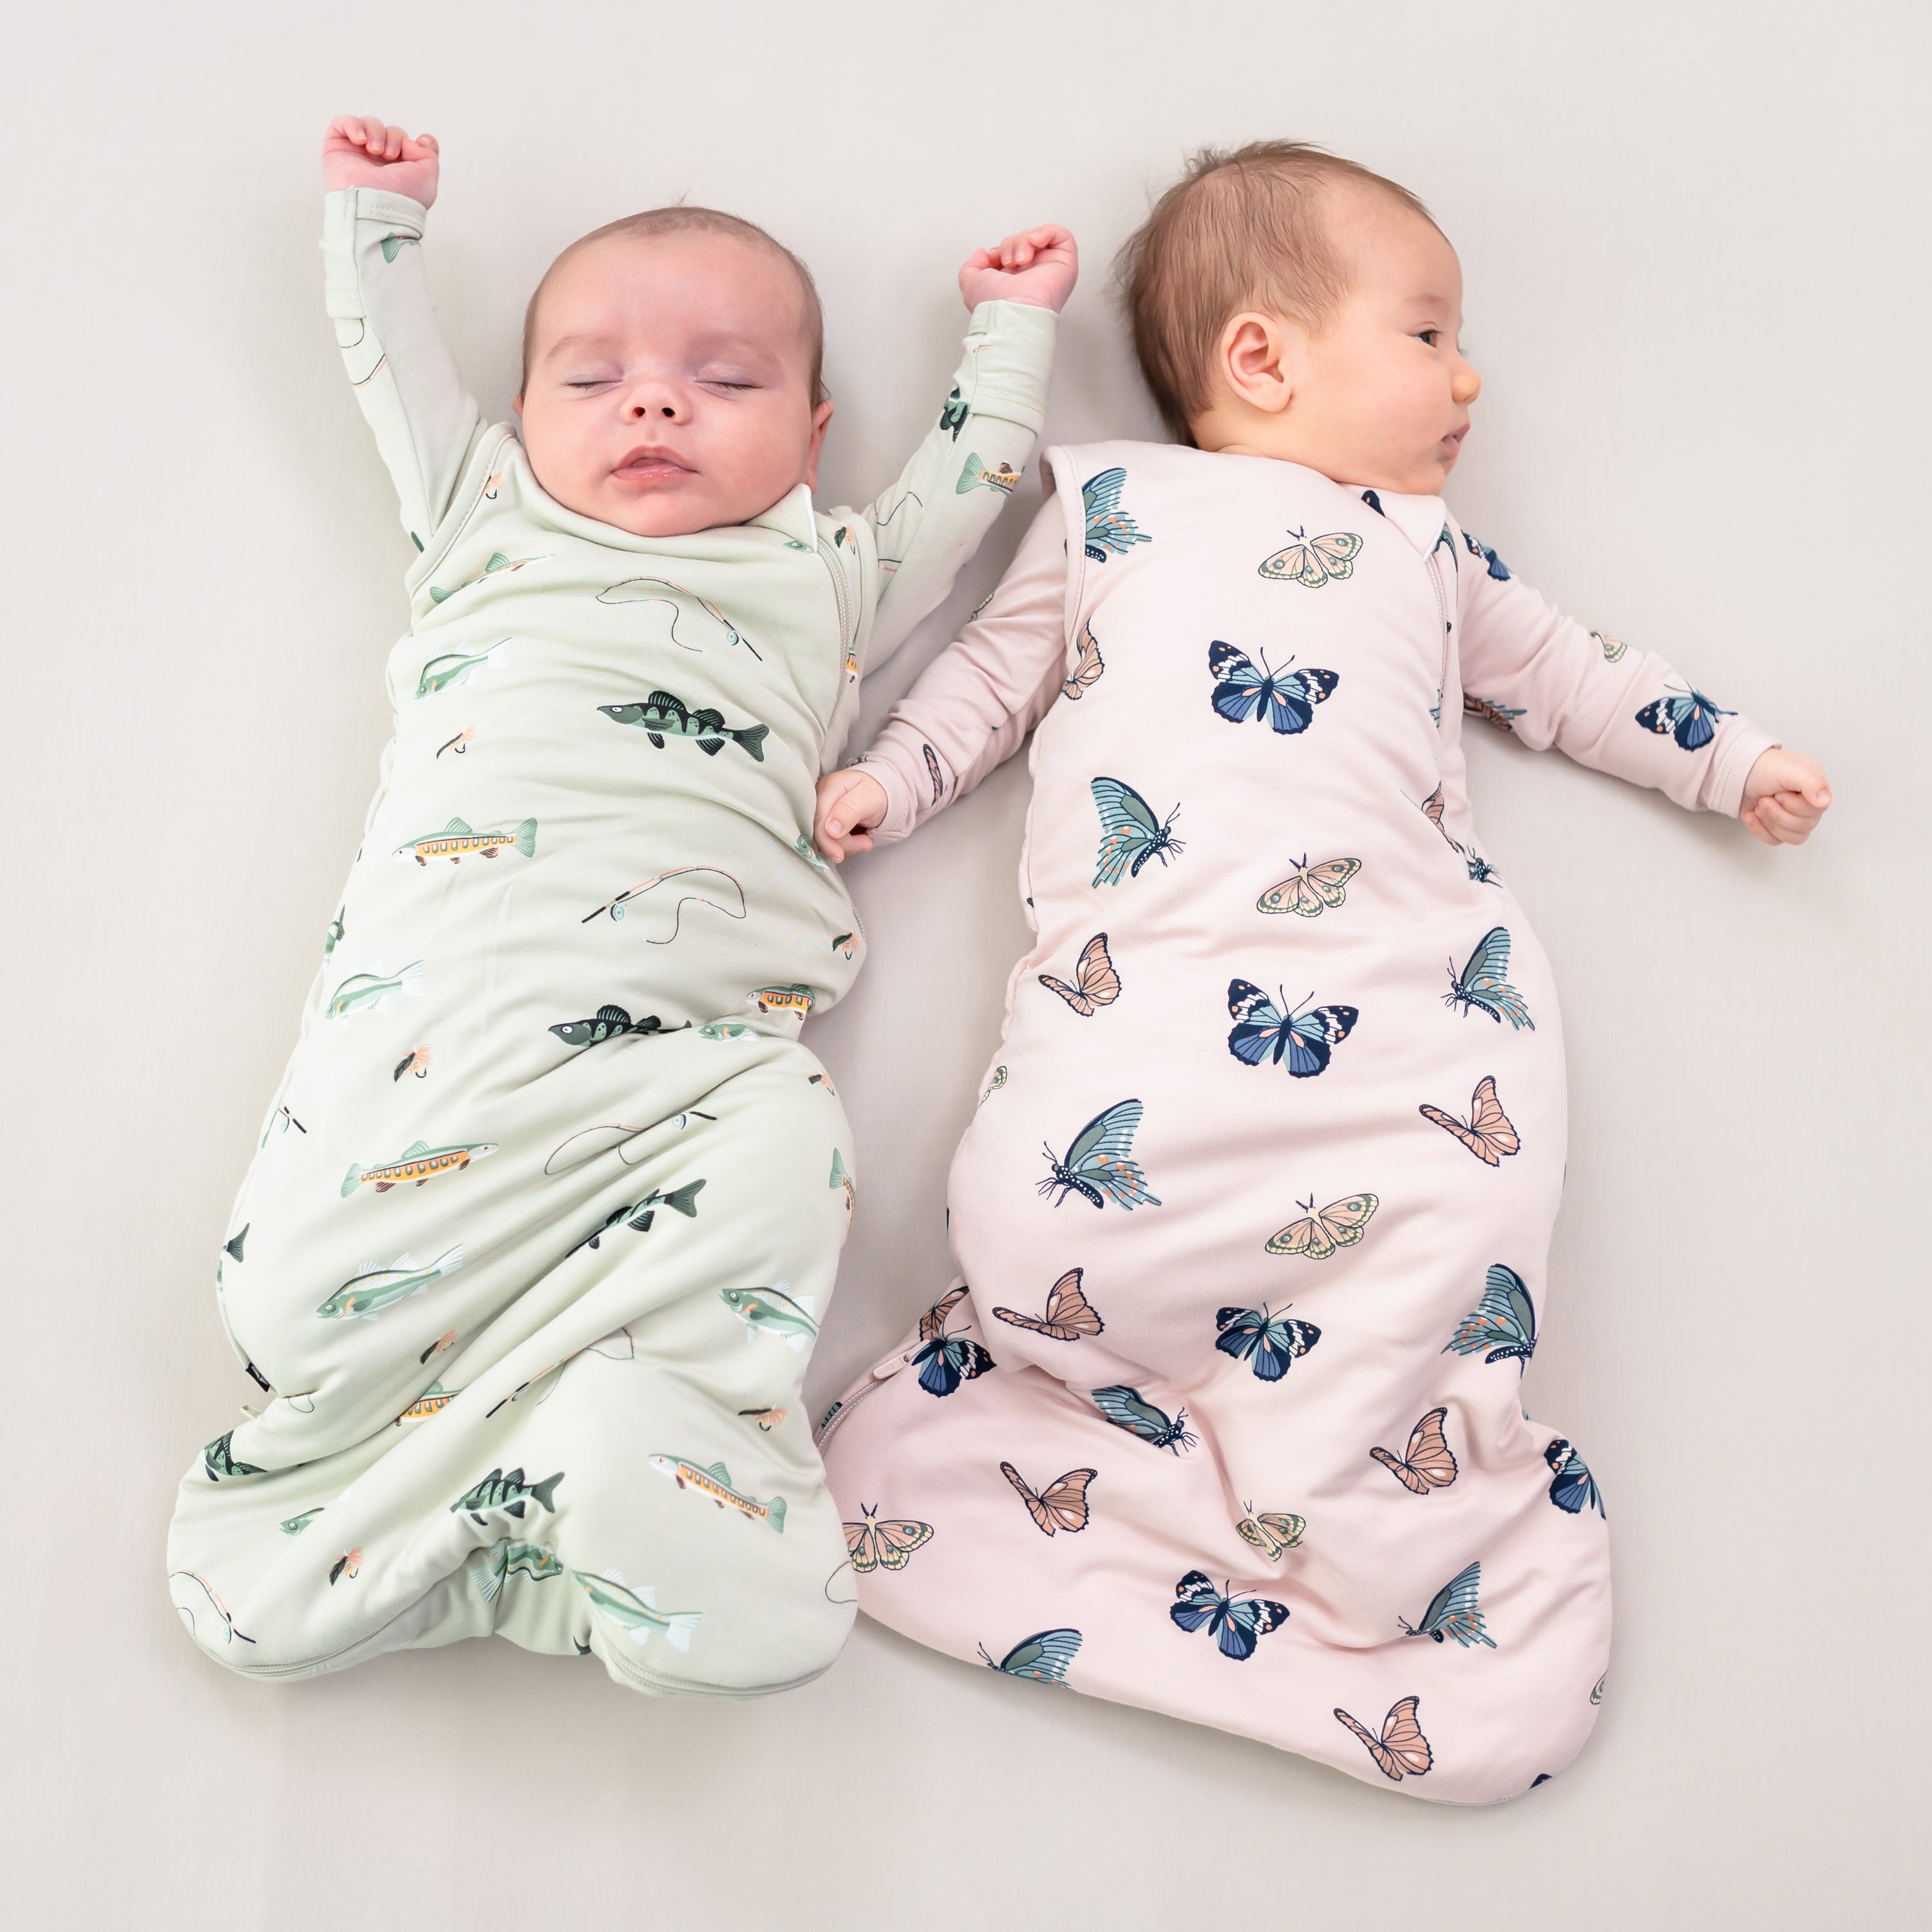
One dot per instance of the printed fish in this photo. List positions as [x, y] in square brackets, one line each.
[498, 563]
[781, 1000]
[366, 1295]
[332, 938]
[494, 1567]
[953, 411]
[294, 1525]
[723, 1030]
[505, 1491]
[434, 1397]
[637, 1609]
[663, 716]
[771, 1311]
[975, 476]
[639, 1214]
[457, 841]
[419, 1162]
[393, 244]
[232, 1247]
[714, 1480]
[218, 1459]
[809, 853]
[607, 1023]
[369, 992]
[840, 1178]
[454, 668]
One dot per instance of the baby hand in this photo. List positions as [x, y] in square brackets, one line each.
[359, 150]
[1038, 267]
[1785, 795]
[848, 801]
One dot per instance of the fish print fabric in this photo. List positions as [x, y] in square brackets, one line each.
[1236, 1290]
[541, 1214]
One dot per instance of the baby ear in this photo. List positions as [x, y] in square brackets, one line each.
[1255, 359]
[821, 416]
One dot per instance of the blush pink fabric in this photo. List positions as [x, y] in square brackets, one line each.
[1506, 1685]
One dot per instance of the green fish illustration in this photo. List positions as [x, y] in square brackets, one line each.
[393, 245]
[953, 412]
[840, 1178]
[975, 476]
[808, 851]
[455, 667]
[332, 938]
[498, 1491]
[492, 1568]
[792, 999]
[792, 543]
[433, 1398]
[773, 1312]
[367, 1294]
[639, 1214]
[367, 992]
[498, 561]
[663, 716]
[418, 1163]
[232, 1247]
[607, 1023]
[218, 1459]
[637, 1609]
[714, 1480]
[457, 842]
[723, 1030]
[294, 1525]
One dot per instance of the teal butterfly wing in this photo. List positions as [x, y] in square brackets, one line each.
[1110, 530]
[1454, 1611]
[1127, 1408]
[1483, 986]
[1129, 831]
[1100, 1162]
[1503, 1322]
[1041, 1658]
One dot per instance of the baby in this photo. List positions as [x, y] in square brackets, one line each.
[1256, 1210]
[548, 1207]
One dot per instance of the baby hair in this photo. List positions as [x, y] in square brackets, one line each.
[1243, 227]
[677, 219]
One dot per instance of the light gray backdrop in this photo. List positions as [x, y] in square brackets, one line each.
[1694, 241]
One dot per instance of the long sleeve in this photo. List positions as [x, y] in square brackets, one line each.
[426, 423]
[931, 518]
[1550, 681]
[975, 704]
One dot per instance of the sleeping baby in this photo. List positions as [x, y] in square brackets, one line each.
[548, 1207]
[1221, 1416]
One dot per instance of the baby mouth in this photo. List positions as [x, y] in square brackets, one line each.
[645, 464]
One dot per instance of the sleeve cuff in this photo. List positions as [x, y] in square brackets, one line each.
[1739, 745]
[341, 209]
[1009, 352]
[901, 809]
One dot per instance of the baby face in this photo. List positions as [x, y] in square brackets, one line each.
[669, 383]
[1381, 395]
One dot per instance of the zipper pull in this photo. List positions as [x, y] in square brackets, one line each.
[891, 1366]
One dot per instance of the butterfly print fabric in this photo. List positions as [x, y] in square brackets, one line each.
[1256, 1226]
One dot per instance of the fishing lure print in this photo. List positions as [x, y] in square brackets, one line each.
[1061, 1505]
[1111, 532]
[416, 1061]
[651, 590]
[663, 716]
[1690, 718]
[700, 885]
[1237, 1621]
[1129, 831]
[1269, 1344]
[1312, 562]
[1309, 891]
[1320, 1234]
[215, 1604]
[1302, 1041]
[1402, 1749]
[1088, 671]
[1273, 1533]
[1483, 986]
[872, 1545]
[1284, 700]
[1489, 1133]
[1069, 1316]
[1100, 1166]
[1572, 1487]
[461, 743]
[1503, 1322]
[1127, 1408]
[1428, 1463]
[1096, 983]
[944, 1361]
[1454, 1611]
[1041, 1658]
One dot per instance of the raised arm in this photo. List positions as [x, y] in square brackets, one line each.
[969, 712]
[931, 518]
[1548, 680]
[380, 184]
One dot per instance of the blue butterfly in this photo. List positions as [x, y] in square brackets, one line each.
[1453, 1612]
[944, 1361]
[1481, 986]
[1691, 719]
[1504, 1321]
[1498, 569]
[1270, 1342]
[1041, 1658]
[1304, 1039]
[1286, 699]
[1572, 1487]
[1109, 528]
[1100, 1162]
[1239, 1623]
[1127, 1408]
[1128, 830]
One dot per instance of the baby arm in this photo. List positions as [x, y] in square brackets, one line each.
[380, 184]
[969, 712]
[931, 518]
[1548, 680]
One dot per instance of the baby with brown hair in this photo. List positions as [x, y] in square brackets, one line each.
[1222, 1412]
